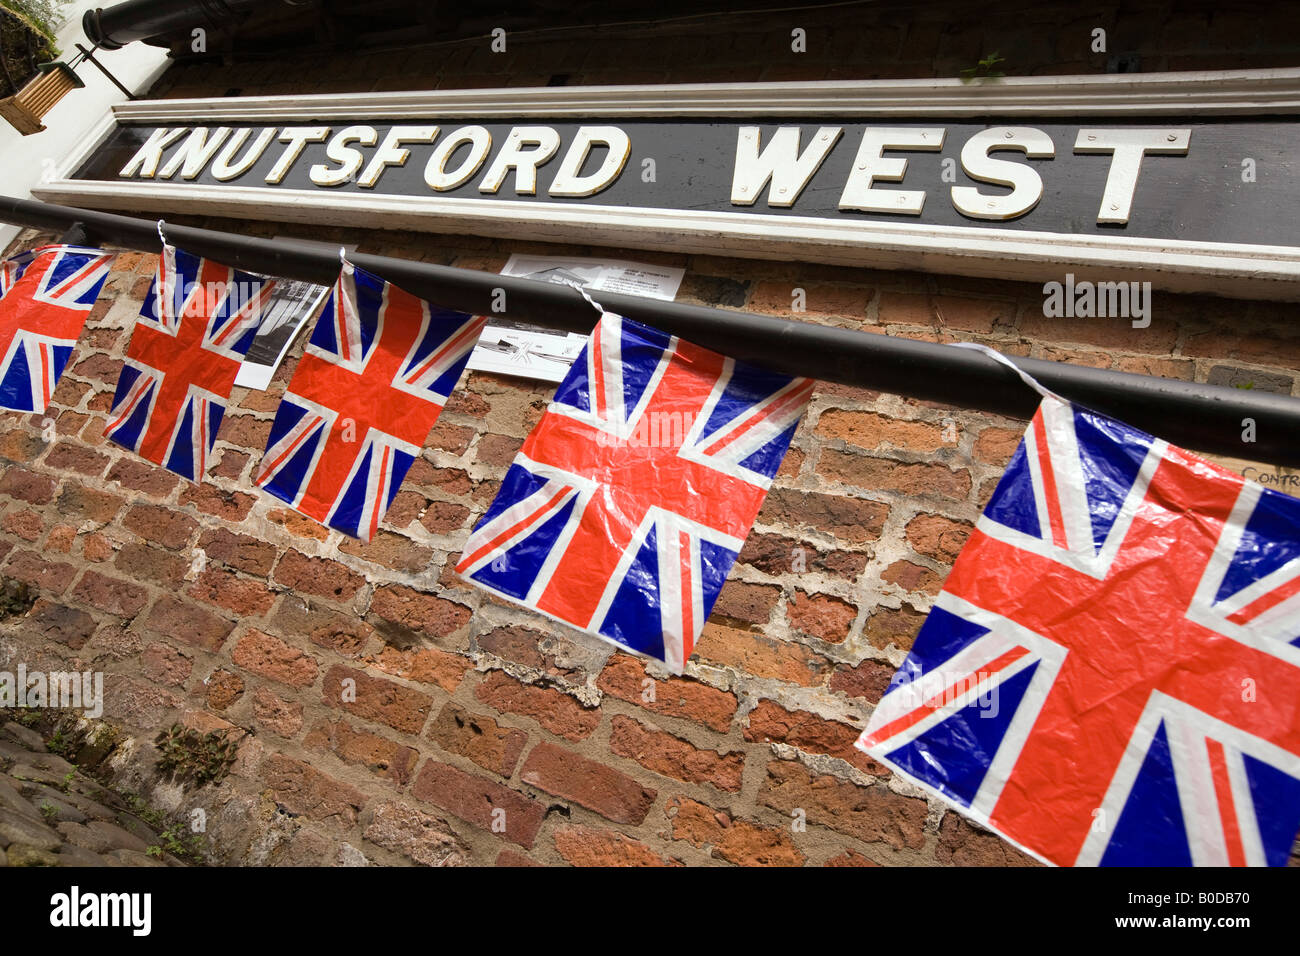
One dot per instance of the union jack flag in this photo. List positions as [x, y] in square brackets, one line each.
[45, 296]
[196, 323]
[628, 503]
[370, 385]
[1111, 674]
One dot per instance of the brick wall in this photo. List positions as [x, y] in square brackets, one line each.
[466, 705]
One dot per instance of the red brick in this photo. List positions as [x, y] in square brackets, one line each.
[422, 837]
[592, 846]
[47, 621]
[769, 721]
[533, 649]
[867, 680]
[245, 431]
[884, 474]
[16, 445]
[24, 485]
[426, 665]
[341, 633]
[872, 430]
[160, 525]
[888, 626]
[967, 315]
[51, 577]
[777, 554]
[736, 841]
[850, 858]
[479, 738]
[381, 756]
[961, 843]
[855, 520]
[593, 785]
[298, 525]
[27, 525]
[559, 713]
[912, 577]
[227, 505]
[96, 547]
[423, 613]
[144, 476]
[271, 657]
[474, 799]
[68, 457]
[226, 589]
[189, 623]
[164, 664]
[110, 594]
[497, 450]
[224, 689]
[514, 858]
[673, 757]
[938, 537]
[624, 677]
[997, 445]
[753, 652]
[319, 576]
[873, 814]
[143, 563]
[390, 550]
[748, 603]
[237, 551]
[453, 439]
[444, 517]
[777, 298]
[821, 615]
[231, 464]
[280, 716]
[382, 701]
[60, 539]
[305, 791]
[98, 367]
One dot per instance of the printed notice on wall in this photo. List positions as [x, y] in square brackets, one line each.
[515, 348]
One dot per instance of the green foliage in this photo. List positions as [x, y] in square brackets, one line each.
[50, 812]
[16, 598]
[984, 68]
[180, 844]
[26, 40]
[188, 756]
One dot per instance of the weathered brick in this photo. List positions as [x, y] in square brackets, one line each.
[497, 450]
[748, 603]
[50, 577]
[142, 563]
[381, 756]
[66, 456]
[280, 716]
[479, 738]
[319, 576]
[165, 664]
[938, 537]
[189, 623]
[873, 814]
[967, 315]
[755, 653]
[57, 622]
[736, 841]
[298, 525]
[593, 785]
[97, 506]
[821, 615]
[422, 837]
[390, 550]
[110, 594]
[474, 799]
[673, 757]
[208, 498]
[17, 445]
[382, 701]
[777, 554]
[160, 525]
[912, 577]
[453, 439]
[27, 525]
[24, 485]
[271, 657]
[224, 689]
[897, 626]
[819, 299]
[850, 858]
[523, 645]
[593, 846]
[997, 445]
[427, 665]
[867, 680]
[444, 517]
[226, 589]
[237, 551]
[231, 464]
[301, 789]
[245, 431]
[625, 677]
[342, 633]
[559, 713]
[963, 844]
[884, 474]
[850, 519]
[423, 613]
[872, 430]
[769, 721]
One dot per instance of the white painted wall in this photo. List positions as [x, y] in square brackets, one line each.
[25, 160]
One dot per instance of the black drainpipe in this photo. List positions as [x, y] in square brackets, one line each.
[123, 23]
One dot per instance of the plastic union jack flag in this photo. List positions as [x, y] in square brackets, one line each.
[370, 385]
[45, 296]
[1111, 674]
[628, 503]
[195, 326]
